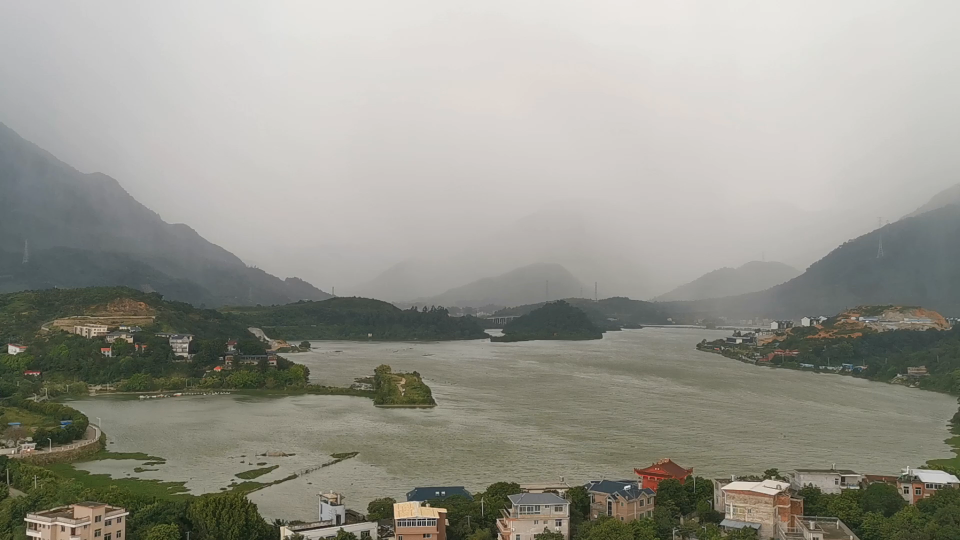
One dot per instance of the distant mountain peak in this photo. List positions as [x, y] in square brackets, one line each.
[524, 285]
[748, 277]
[949, 196]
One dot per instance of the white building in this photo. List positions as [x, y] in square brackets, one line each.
[91, 331]
[15, 349]
[828, 480]
[180, 343]
[332, 508]
[315, 531]
[532, 513]
[113, 336]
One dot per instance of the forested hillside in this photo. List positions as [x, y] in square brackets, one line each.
[356, 318]
[81, 230]
[750, 277]
[609, 313]
[555, 320]
[920, 266]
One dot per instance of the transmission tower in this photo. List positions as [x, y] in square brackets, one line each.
[880, 248]
[26, 251]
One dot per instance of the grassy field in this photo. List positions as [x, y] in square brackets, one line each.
[152, 488]
[256, 473]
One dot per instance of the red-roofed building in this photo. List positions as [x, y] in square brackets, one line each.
[218, 369]
[662, 470]
[15, 348]
[106, 351]
[142, 347]
[32, 373]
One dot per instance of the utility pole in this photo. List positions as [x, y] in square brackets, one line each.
[880, 249]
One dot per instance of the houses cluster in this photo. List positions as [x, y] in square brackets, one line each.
[234, 358]
[180, 343]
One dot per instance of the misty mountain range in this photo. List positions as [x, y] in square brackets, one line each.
[751, 277]
[526, 285]
[84, 229]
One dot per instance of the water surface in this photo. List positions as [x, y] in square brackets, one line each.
[529, 412]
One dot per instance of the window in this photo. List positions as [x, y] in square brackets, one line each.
[119, 534]
[621, 504]
[641, 502]
[559, 508]
[107, 536]
[109, 522]
[428, 536]
[928, 486]
[400, 537]
[621, 518]
[364, 534]
[536, 522]
[119, 519]
[609, 507]
[836, 481]
[73, 531]
[98, 519]
[560, 522]
[528, 510]
[96, 533]
[918, 492]
[62, 528]
[906, 490]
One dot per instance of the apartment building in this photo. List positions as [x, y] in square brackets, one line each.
[81, 521]
[532, 513]
[180, 343]
[916, 484]
[761, 505]
[622, 500]
[831, 480]
[91, 331]
[415, 521]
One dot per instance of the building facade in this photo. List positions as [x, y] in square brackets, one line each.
[180, 343]
[916, 484]
[14, 349]
[664, 469]
[91, 331]
[621, 500]
[531, 514]
[414, 521]
[81, 521]
[758, 505]
[831, 481]
[113, 336]
[316, 531]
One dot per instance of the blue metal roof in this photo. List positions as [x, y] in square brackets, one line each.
[423, 494]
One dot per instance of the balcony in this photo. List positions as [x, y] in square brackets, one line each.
[34, 534]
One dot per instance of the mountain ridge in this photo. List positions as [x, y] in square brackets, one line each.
[56, 212]
[749, 277]
[524, 285]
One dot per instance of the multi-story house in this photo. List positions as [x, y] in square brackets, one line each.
[91, 331]
[916, 484]
[758, 505]
[622, 500]
[14, 349]
[831, 481]
[414, 521]
[664, 469]
[81, 521]
[531, 514]
[180, 343]
[113, 336]
[333, 519]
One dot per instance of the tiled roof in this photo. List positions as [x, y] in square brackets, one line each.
[414, 509]
[537, 498]
[666, 467]
[620, 488]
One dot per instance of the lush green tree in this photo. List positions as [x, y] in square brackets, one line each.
[481, 534]
[344, 535]
[773, 474]
[380, 509]
[547, 534]
[162, 532]
[814, 503]
[846, 506]
[605, 528]
[743, 534]
[644, 529]
[907, 524]
[883, 498]
[672, 495]
[227, 517]
[579, 507]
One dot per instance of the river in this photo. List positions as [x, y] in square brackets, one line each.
[527, 412]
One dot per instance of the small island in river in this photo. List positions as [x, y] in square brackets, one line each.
[555, 320]
[400, 389]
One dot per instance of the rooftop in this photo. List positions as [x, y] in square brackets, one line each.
[414, 509]
[767, 487]
[536, 498]
[931, 476]
[830, 528]
[844, 472]
[430, 493]
[666, 467]
[621, 488]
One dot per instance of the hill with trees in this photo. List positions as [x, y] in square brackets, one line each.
[82, 230]
[357, 318]
[750, 277]
[608, 314]
[920, 265]
[554, 320]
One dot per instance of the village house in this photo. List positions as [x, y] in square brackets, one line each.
[333, 518]
[180, 343]
[781, 325]
[232, 345]
[31, 373]
[424, 494]
[531, 514]
[113, 336]
[106, 351]
[917, 371]
[831, 480]
[560, 488]
[91, 331]
[916, 484]
[414, 521]
[15, 348]
[622, 500]
[81, 521]
[758, 505]
[662, 470]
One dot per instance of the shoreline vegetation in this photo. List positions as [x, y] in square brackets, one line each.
[553, 321]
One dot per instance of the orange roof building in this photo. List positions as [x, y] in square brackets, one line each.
[662, 470]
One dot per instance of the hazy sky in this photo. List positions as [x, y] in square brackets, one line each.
[332, 139]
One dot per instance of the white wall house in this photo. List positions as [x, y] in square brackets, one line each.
[15, 349]
[532, 513]
[180, 343]
[315, 531]
[332, 508]
[831, 481]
